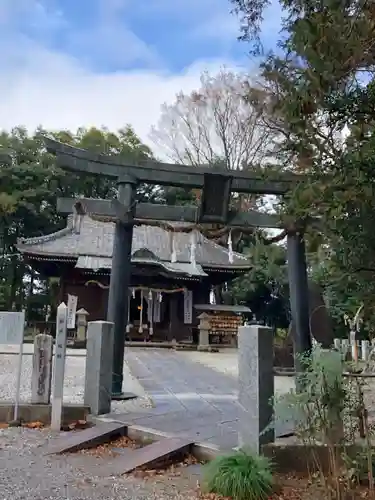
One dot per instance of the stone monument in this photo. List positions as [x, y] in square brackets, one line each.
[42, 369]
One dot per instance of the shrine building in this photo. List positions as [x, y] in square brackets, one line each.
[171, 273]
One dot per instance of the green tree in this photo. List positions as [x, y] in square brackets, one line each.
[30, 185]
[320, 86]
[265, 287]
[214, 124]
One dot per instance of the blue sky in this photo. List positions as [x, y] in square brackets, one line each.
[108, 62]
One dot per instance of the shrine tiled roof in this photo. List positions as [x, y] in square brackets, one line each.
[95, 240]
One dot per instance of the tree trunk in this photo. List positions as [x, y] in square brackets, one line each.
[11, 306]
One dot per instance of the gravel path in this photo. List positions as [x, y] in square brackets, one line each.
[73, 383]
[27, 474]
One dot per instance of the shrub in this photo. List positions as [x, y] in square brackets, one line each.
[241, 475]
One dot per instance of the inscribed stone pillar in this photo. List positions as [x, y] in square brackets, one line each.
[256, 386]
[99, 363]
[42, 369]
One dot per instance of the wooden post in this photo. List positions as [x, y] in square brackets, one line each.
[59, 367]
[173, 317]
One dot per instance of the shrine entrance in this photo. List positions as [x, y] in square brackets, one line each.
[216, 186]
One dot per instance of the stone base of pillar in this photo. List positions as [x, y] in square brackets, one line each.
[204, 339]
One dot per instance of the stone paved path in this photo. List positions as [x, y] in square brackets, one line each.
[193, 393]
[190, 398]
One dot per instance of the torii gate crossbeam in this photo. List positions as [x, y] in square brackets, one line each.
[216, 185]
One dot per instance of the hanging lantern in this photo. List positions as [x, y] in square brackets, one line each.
[150, 307]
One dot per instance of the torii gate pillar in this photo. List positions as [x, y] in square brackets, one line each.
[299, 296]
[117, 310]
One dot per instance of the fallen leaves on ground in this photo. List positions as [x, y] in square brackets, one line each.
[106, 449]
[170, 468]
[76, 426]
[34, 425]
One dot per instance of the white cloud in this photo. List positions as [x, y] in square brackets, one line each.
[40, 87]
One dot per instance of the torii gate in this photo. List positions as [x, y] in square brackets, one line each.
[217, 186]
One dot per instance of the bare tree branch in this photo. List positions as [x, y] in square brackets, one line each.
[215, 123]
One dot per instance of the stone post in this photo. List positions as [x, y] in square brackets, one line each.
[365, 350]
[345, 347]
[256, 386]
[337, 344]
[81, 325]
[42, 369]
[204, 332]
[99, 366]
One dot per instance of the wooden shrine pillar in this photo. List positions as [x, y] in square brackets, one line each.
[173, 316]
[299, 295]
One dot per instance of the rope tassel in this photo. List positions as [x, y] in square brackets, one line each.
[193, 247]
[230, 247]
[128, 318]
[140, 329]
[173, 247]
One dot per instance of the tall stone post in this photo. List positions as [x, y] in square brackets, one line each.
[256, 386]
[117, 312]
[99, 362]
[299, 296]
[42, 369]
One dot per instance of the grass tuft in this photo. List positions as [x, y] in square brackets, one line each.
[241, 475]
